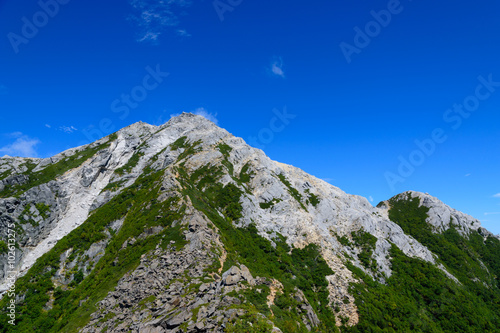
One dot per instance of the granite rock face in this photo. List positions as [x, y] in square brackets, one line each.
[166, 292]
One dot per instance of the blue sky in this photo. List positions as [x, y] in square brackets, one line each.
[375, 97]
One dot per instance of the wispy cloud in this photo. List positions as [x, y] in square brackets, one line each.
[153, 17]
[67, 129]
[204, 113]
[183, 33]
[277, 68]
[492, 213]
[496, 195]
[467, 175]
[14, 135]
[23, 146]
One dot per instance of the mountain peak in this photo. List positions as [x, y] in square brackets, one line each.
[189, 206]
[184, 118]
[188, 117]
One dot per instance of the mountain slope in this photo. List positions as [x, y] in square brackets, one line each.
[184, 227]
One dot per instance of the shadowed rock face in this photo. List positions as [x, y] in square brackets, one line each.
[167, 291]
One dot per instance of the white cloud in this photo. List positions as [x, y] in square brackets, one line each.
[370, 198]
[152, 17]
[496, 195]
[183, 33]
[48, 126]
[277, 68]
[23, 146]
[202, 112]
[14, 135]
[493, 213]
[67, 129]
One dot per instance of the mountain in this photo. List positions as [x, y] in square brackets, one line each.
[185, 228]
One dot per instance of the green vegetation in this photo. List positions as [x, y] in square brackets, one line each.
[419, 297]
[258, 298]
[312, 198]
[51, 171]
[266, 205]
[113, 137]
[245, 176]
[226, 150]
[43, 209]
[411, 217]
[141, 209]
[461, 256]
[179, 143]
[204, 176]
[310, 271]
[108, 316]
[5, 174]
[189, 149]
[488, 251]
[131, 163]
[344, 241]
[77, 278]
[225, 200]
[146, 300]
[293, 191]
[366, 242]
[114, 186]
[250, 323]
[26, 217]
[3, 247]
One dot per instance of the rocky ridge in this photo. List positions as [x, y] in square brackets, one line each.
[170, 290]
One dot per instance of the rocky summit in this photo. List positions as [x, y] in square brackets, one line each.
[185, 228]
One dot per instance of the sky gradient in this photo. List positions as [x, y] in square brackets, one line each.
[374, 97]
